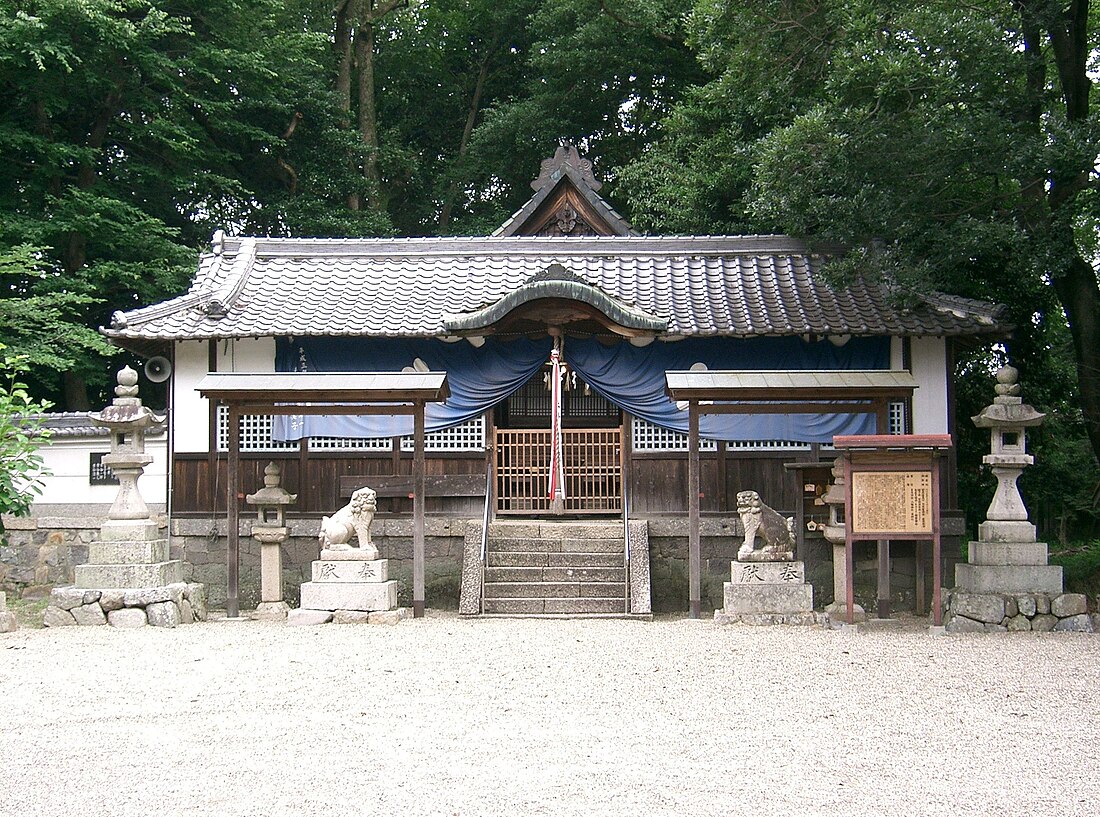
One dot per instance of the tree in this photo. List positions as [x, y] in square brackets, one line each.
[21, 432]
[949, 145]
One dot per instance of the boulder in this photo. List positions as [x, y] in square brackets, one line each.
[187, 615]
[163, 614]
[985, 607]
[303, 618]
[66, 598]
[351, 617]
[1025, 605]
[88, 614]
[1044, 622]
[112, 600]
[1011, 608]
[962, 624]
[127, 618]
[1019, 623]
[1042, 604]
[56, 617]
[196, 595]
[1069, 604]
[8, 622]
[1075, 624]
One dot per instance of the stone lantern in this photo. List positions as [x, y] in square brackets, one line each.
[1007, 419]
[835, 534]
[128, 421]
[270, 531]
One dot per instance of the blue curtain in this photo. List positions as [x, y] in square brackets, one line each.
[632, 378]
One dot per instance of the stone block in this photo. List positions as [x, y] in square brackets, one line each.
[163, 614]
[145, 596]
[1075, 624]
[1006, 531]
[641, 593]
[1019, 623]
[985, 607]
[584, 606]
[89, 614]
[388, 617]
[8, 622]
[353, 555]
[748, 599]
[129, 576]
[962, 624]
[56, 617]
[129, 530]
[469, 594]
[1068, 604]
[1042, 604]
[995, 628]
[128, 618]
[1007, 553]
[753, 572]
[3, 601]
[1025, 605]
[187, 615]
[374, 570]
[1008, 578]
[349, 595]
[617, 546]
[270, 611]
[514, 606]
[306, 618]
[1011, 609]
[1044, 623]
[67, 598]
[351, 617]
[196, 595]
[128, 552]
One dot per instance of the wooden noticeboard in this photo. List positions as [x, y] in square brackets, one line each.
[892, 502]
[892, 493]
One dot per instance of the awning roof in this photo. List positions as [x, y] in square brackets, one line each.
[330, 387]
[818, 384]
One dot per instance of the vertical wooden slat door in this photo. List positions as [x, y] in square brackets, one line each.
[593, 470]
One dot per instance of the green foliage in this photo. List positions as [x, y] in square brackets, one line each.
[21, 469]
[1080, 566]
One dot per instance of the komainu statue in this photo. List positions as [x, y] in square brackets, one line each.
[354, 519]
[776, 533]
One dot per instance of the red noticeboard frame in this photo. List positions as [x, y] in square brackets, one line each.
[869, 453]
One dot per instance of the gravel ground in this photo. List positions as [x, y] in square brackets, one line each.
[443, 716]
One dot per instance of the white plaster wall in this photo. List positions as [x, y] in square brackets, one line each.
[929, 357]
[190, 415]
[190, 411]
[897, 358]
[66, 460]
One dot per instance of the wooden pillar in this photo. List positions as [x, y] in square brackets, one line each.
[849, 561]
[695, 568]
[418, 510]
[232, 514]
[937, 564]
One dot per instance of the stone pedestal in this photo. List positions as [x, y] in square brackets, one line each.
[349, 581]
[767, 593]
[838, 609]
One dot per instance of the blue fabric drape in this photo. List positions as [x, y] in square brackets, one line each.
[632, 378]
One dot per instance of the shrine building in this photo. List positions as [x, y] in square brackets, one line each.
[567, 275]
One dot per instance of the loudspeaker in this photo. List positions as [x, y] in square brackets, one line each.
[158, 369]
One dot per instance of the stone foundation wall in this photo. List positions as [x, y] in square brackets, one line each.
[996, 612]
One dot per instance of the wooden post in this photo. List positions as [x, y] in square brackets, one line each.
[920, 567]
[418, 510]
[694, 560]
[232, 514]
[937, 566]
[849, 561]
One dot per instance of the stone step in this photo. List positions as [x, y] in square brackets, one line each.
[555, 574]
[556, 530]
[536, 544]
[574, 606]
[569, 590]
[517, 558]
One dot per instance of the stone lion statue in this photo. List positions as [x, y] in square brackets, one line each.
[776, 532]
[354, 519]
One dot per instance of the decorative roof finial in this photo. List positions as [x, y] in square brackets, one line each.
[566, 156]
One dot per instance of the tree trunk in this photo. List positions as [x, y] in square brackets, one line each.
[1079, 293]
[368, 111]
[342, 48]
[471, 119]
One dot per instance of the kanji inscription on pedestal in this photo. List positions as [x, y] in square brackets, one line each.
[892, 502]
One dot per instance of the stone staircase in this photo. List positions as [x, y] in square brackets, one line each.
[552, 568]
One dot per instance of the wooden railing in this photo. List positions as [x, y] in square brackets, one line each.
[592, 458]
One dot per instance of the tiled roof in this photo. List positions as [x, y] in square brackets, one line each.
[727, 285]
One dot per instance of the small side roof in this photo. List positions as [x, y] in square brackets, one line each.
[821, 384]
[329, 387]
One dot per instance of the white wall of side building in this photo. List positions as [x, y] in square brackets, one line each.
[929, 367]
[191, 411]
[67, 463]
